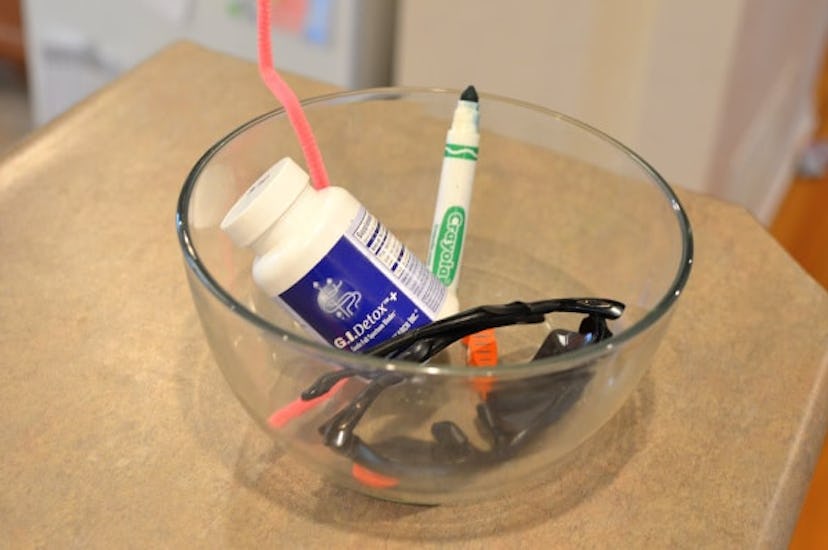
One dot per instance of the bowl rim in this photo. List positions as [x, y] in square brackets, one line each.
[573, 359]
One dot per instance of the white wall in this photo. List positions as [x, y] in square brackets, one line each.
[767, 110]
[75, 46]
[715, 94]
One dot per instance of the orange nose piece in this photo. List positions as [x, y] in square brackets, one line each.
[481, 351]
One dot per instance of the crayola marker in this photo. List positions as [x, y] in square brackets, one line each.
[454, 194]
[448, 231]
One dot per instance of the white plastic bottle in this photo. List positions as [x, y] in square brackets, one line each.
[332, 264]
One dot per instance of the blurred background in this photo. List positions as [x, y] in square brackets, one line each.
[717, 95]
[728, 98]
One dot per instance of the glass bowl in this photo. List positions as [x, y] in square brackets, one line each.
[559, 209]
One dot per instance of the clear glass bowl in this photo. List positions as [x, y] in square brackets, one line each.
[559, 209]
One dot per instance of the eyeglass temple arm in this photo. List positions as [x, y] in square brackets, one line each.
[424, 342]
[480, 318]
[422, 348]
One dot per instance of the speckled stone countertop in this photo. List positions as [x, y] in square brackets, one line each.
[117, 428]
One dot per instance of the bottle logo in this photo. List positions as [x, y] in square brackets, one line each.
[466, 152]
[449, 244]
[334, 301]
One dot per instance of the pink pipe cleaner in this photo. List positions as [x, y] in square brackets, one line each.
[288, 99]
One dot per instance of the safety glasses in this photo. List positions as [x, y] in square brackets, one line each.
[511, 415]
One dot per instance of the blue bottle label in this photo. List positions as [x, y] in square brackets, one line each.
[366, 289]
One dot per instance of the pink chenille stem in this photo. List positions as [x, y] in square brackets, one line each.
[288, 99]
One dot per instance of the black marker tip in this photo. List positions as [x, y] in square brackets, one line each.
[469, 94]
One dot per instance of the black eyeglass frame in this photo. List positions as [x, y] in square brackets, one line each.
[451, 454]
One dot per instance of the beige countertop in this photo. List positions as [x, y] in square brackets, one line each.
[117, 428]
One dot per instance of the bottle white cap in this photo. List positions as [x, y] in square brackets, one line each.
[265, 202]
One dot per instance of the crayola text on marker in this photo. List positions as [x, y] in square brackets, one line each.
[448, 244]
